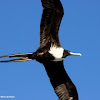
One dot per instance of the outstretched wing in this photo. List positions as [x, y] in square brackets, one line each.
[50, 22]
[66, 91]
[61, 82]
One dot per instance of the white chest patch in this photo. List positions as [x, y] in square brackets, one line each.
[57, 52]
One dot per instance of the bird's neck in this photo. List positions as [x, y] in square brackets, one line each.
[56, 73]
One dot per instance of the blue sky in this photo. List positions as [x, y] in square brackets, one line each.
[79, 32]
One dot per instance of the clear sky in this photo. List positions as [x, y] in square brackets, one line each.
[79, 32]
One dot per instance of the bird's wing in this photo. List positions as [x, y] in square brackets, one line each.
[62, 84]
[50, 22]
[66, 91]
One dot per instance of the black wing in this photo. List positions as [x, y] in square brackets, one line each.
[62, 84]
[50, 22]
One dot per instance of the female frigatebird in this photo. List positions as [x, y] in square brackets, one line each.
[50, 53]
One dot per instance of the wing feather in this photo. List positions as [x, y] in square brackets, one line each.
[50, 22]
[61, 82]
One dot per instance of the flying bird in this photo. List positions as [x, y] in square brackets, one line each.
[50, 53]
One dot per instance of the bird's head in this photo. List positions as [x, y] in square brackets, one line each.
[67, 53]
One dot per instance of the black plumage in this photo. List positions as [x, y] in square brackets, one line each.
[61, 82]
[50, 22]
[50, 53]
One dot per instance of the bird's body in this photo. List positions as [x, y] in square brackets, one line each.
[57, 52]
[50, 53]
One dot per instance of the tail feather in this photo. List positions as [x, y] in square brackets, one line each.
[17, 60]
[17, 55]
[24, 55]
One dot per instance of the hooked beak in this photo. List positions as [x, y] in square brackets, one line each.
[71, 53]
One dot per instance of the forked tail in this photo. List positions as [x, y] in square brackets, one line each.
[25, 57]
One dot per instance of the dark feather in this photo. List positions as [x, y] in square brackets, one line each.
[62, 84]
[17, 60]
[25, 57]
[50, 22]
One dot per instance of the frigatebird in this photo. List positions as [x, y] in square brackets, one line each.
[50, 53]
